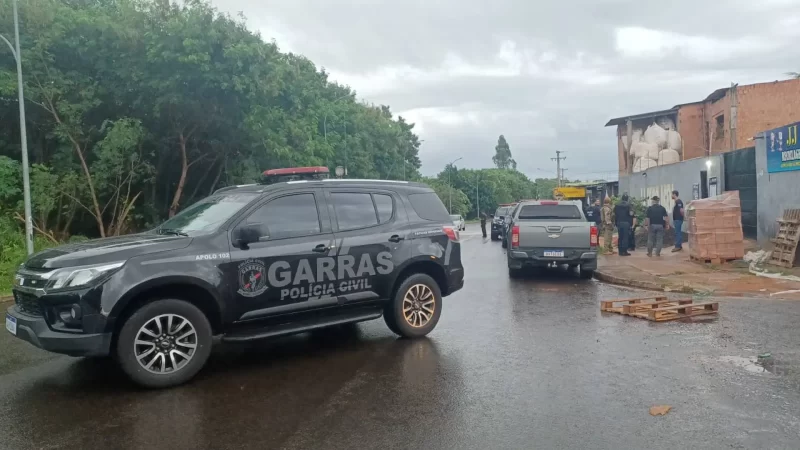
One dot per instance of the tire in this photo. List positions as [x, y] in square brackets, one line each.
[495, 237]
[514, 273]
[421, 286]
[148, 318]
[587, 274]
[504, 244]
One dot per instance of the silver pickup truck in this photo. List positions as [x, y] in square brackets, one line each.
[545, 233]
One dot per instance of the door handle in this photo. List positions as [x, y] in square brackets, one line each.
[396, 238]
[321, 248]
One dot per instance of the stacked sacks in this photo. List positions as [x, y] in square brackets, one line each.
[658, 145]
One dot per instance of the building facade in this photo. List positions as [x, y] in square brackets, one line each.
[728, 119]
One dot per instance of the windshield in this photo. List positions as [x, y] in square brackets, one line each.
[550, 212]
[455, 217]
[501, 211]
[206, 215]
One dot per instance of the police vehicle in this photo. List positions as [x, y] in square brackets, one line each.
[247, 263]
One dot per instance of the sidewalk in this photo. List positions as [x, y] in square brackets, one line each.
[674, 272]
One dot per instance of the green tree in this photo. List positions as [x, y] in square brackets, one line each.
[502, 155]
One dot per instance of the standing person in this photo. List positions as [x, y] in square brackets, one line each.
[593, 212]
[624, 218]
[677, 220]
[656, 220]
[483, 224]
[607, 220]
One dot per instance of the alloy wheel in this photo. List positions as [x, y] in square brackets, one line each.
[165, 344]
[419, 304]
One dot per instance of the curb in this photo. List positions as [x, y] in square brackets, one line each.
[649, 285]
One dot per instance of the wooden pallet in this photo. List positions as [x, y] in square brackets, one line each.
[617, 305]
[659, 309]
[717, 261]
[786, 240]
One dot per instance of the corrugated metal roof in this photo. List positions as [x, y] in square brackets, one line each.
[654, 114]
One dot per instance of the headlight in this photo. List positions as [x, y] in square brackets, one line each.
[74, 277]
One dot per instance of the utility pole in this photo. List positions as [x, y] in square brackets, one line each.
[477, 196]
[558, 160]
[23, 133]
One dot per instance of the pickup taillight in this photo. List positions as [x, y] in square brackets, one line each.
[593, 236]
[515, 236]
[451, 233]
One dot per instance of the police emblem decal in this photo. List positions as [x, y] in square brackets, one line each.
[252, 278]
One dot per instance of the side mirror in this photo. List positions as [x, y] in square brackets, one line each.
[491, 215]
[249, 234]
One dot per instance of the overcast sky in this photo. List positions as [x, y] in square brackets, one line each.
[546, 74]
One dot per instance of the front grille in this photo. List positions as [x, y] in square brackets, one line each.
[27, 303]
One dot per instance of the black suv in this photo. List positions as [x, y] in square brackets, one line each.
[498, 221]
[248, 262]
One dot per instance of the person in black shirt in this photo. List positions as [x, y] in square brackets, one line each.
[656, 221]
[623, 214]
[483, 224]
[593, 212]
[677, 221]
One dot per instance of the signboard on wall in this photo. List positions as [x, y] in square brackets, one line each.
[696, 191]
[783, 149]
[712, 187]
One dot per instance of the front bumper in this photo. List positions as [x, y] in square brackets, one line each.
[34, 329]
[586, 258]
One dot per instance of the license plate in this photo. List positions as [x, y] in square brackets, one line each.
[11, 324]
[554, 253]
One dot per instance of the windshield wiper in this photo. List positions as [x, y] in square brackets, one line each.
[171, 231]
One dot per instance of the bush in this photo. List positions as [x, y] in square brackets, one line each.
[13, 251]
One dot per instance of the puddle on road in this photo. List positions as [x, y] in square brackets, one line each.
[749, 364]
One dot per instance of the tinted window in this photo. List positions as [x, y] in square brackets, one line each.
[385, 206]
[354, 210]
[429, 207]
[550, 212]
[289, 216]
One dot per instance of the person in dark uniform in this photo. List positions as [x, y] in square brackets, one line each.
[593, 212]
[483, 224]
[677, 220]
[623, 213]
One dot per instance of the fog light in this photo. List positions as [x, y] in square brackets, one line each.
[76, 313]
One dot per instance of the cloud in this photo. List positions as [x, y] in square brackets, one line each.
[547, 75]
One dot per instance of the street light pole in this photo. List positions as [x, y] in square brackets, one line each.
[26, 182]
[450, 184]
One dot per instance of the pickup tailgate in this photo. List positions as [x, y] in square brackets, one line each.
[553, 235]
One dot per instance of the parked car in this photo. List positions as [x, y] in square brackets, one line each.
[247, 263]
[458, 222]
[497, 221]
[507, 225]
[545, 233]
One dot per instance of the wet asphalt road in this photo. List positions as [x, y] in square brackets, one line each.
[528, 363]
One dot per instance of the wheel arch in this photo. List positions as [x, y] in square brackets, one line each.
[422, 265]
[192, 290]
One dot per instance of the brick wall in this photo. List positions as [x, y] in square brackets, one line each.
[720, 136]
[622, 130]
[765, 106]
[690, 126]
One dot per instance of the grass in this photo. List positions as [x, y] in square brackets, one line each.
[13, 253]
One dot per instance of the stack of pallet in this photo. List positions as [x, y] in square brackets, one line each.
[786, 240]
[715, 228]
[659, 308]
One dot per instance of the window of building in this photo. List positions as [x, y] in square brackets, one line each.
[719, 132]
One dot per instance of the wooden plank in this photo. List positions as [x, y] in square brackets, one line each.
[689, 305]
[608, 305]
[640, 307]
